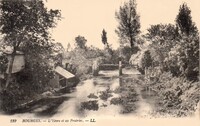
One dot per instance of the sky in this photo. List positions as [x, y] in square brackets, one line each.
[89, 17]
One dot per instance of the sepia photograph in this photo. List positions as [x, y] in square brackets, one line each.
[99, 62]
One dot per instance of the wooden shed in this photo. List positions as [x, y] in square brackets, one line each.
[62, 78]
[19, 62]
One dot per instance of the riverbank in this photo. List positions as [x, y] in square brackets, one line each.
[177, 97]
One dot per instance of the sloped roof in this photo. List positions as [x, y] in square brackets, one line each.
[17, 52]
[64, 72]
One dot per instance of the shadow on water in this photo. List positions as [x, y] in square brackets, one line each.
[82, 105]
[44, 107]
[116, 95]
[128, 94]
[77, 103]
[51, 108]
[149, 95]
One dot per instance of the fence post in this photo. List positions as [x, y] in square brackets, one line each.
[120, 67]
[147, 77]
[95, 68]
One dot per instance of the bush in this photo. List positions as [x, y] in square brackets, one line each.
[104, 95]
[185, 58]
[126, 54]
[146, 62]
[116, 101]
[15, 95]
[178, 96]
[83, 59]
[92, 96]
[90, 105]
[3, 63]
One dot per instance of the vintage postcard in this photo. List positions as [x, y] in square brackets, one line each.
[99, 62]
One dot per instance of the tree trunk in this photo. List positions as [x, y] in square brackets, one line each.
[120, 68]
[10, 67]
[132, 43]
[107, 45]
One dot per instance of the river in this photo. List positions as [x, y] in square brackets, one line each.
[69, 104]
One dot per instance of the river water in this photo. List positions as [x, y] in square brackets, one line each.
[70, 104]
[96, 85]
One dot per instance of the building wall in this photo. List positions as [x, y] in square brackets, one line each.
[18, 64]
[55, 82]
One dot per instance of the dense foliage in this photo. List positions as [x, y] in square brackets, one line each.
[129, 24]
[177, 95]
[25, 27]
[104, 37]
[146, 61]
[3, 63]
[80, 42]
[174, 50]
[184, 20]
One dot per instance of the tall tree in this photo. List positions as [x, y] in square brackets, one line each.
[163, 38]
[58, 48]
[188, 44]
[68, 47]
[25, 26]
[107, 47]
[80, 42]
[162, 31]
[129, 24]
[184, 20]
[104, 37]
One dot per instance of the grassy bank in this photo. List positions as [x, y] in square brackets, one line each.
[178, 97]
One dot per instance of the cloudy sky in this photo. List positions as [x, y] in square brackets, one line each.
[88, 17]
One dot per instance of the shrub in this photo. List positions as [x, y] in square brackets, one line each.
[92, 96]
[90, 105]
[104, 95]
[178, 96]
[146, 62]
[3, 63]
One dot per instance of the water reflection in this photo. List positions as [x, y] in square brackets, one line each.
[70, 104]
[106, 81]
